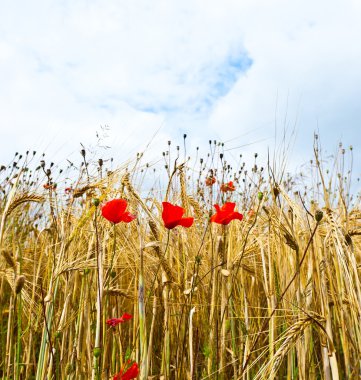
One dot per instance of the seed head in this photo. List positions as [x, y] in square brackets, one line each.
[318, 215]
[19, 283]
[8, 258]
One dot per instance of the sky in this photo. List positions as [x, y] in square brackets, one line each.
[238, 71]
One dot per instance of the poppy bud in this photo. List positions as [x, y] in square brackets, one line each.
[86, 271]
[97, 351]
[96, 202]
[58, 334]
[42, 163]
[260, 195]
[113, 273]
[82, 152]
[318, 215]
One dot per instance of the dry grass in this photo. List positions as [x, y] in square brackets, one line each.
[276, 296]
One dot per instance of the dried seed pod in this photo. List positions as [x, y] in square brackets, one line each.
[276, 191]
[318, 215]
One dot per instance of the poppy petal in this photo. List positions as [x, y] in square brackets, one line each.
[127, 217]
[225, 214]
[127, 316]
[114, 209]
[228, 207]
[131, 373]
[171, 212]
[215, 218]
[237, 215]
[218, 209]
[186, 222]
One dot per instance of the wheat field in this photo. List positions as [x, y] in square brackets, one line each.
[276, 295]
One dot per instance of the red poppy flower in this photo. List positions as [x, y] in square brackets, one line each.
[172, 216]
[131, 373]
[227, 187]
[114, 211]
[115, 321]
[210, 181]
[225, 214]
[68, 190]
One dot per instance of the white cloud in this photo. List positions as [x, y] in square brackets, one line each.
[68, 67]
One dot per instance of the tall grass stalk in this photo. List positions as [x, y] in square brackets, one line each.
[142, 317]
[277, 295]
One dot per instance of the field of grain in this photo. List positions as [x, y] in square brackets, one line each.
[276, 295]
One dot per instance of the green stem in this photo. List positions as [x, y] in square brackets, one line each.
[98, 332]
[109, 274]
[46, 339]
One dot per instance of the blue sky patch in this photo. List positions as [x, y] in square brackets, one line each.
[198, 88]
